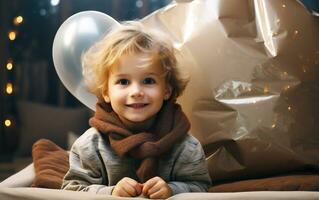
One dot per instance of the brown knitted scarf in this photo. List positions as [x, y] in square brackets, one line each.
[171, 126]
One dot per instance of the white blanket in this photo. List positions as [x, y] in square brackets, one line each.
[47, 194]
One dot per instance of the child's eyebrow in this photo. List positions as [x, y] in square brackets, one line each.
[152, 73]
[155, 74]
[120, 75]
[127, 75]
[146, 74]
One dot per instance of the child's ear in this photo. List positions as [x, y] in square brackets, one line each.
[168, 92]
[106, 97]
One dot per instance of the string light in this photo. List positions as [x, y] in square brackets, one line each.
[55, 2]
[9, 88]
[266, 89]
[7, 122]
[278, 21]
[12, 35]
[18, 20]
[274, 33]
[9, 65]
[139, 3]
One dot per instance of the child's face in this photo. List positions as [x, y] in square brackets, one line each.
[137, 88]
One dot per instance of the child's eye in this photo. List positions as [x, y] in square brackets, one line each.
[149, 81]
[123, 82]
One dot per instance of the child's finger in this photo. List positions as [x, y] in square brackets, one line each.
[160, 194]
[129, 190]
[156, 187]
[120, 191]
[130, 181]
[139, 188]
[148, 184]
[130, 187]
[123, 193]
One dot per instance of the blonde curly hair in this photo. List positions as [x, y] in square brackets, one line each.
[128, 38]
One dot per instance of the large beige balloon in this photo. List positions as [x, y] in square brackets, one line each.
[253, 98]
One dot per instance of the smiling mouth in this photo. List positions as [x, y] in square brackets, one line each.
[137, 105]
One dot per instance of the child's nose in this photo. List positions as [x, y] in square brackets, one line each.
[137, 91]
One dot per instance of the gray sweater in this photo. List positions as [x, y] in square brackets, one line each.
[95, 167]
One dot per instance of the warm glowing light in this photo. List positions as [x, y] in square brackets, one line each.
[9, 88]
[12, 35]
[9, 65]
[289, 108]
[296, 32]
[287, 87]
[266, 89]
[284, 5]
[7, 122]
[18, 20]
[273, 126]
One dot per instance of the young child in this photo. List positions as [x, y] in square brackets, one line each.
[138, 144]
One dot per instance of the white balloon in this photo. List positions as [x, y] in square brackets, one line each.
[75, 36]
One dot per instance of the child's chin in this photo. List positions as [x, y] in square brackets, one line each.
[137, 120]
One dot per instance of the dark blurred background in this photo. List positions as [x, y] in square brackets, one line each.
[31, 91]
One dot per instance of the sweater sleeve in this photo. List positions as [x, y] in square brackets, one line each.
[86, 168]
[190, 169]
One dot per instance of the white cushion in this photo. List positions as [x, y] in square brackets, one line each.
[23, 178]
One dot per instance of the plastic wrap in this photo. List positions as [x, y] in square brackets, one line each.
[253, 98]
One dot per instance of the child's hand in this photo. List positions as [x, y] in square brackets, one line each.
[127, 187]
[156, 188]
